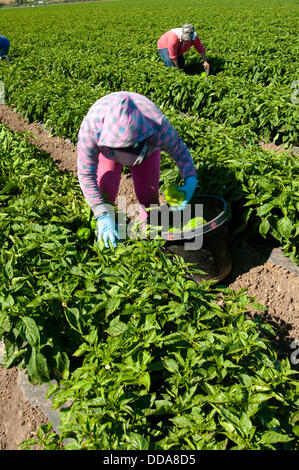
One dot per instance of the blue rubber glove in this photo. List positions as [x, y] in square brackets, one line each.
[106, 230]
[188, 188]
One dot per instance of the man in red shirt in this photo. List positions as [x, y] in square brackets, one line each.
[175, 42]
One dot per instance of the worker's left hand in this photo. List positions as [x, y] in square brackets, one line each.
[188, 188]
[107, 230]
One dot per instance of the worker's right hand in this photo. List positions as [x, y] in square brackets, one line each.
[207, 67]
[107, 231]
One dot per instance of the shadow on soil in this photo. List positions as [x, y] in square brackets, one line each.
[245, 256]
[195, 66]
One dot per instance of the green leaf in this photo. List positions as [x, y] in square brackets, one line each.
[264, 227]
[83, 348]
[271, 437]
[296, 430]
[145, 380]
[31, 331]
[112, 305]
[116, 327]
[73, 445]
[9, 269]
[264, 209]
[181, 422]
[53, 388]
[37, 367]
[171, 365]
[137, 441]
[73, 317]
[245, 424]
[284, 227]
[246, 380]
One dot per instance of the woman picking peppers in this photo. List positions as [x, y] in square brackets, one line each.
[127, 129]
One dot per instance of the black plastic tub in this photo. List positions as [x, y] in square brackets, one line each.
[206, 246]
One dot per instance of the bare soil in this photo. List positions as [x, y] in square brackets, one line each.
[269, 279]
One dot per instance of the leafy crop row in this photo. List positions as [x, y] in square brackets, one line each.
[252, 67]
[144, 358]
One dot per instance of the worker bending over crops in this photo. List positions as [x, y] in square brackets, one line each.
[175, 42]
[127, 129]
[4, 48]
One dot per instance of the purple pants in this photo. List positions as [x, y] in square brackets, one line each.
[145, 177]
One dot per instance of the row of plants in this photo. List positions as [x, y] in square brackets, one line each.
[143, 357]
[232, 101]
[252, 67]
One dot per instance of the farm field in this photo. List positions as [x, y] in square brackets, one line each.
[70, 310]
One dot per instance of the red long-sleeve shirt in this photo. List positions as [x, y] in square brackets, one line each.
[172, 41]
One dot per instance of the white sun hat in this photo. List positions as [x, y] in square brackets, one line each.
[187, 32]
